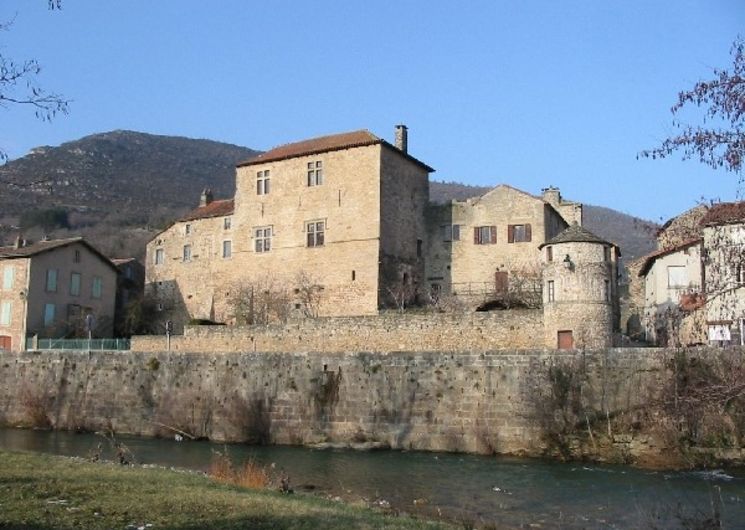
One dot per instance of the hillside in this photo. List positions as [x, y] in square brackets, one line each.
[119, 188]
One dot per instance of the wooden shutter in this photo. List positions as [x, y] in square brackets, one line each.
[476, 235]
[511, 233]
[528, 235]
[493, 234]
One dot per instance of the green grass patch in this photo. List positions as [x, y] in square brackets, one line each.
[40, 491]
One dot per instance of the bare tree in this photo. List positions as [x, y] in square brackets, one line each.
[720, 141]
[260, 302]
[18, 85]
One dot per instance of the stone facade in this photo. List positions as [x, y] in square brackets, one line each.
[580, 293]
[520, 329]
[342, 213]
[48, 288]
[485, 250]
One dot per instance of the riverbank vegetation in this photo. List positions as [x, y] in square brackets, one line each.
[43, 492]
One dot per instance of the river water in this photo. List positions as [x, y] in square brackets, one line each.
[498, 491]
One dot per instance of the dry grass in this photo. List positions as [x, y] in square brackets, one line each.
[250, 474]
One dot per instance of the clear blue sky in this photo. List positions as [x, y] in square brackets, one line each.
[526, 93]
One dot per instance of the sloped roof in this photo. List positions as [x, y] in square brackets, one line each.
[213, 209]
[650, 258]
[724, 213]
[323, 144]
[40, 247]
[576, 234]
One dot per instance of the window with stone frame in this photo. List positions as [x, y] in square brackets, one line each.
[551, 291]
[262, 182]
[450, 232]
[315, 173]
[263, 239]
[519, 233]
[549, 254]
[159, 256]
[227, 223]
[740, 274]
[97, 287]
[6, 311]
[8, 277]
[315, 233]
[227, 248]
[484, 235]
[187, 253]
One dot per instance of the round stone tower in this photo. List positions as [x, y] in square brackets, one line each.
[580, 290]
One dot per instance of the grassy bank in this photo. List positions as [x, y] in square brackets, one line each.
[44, 492]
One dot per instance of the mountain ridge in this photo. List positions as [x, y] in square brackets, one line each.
[121, 186]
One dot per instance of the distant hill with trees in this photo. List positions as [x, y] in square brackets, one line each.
[121, 187]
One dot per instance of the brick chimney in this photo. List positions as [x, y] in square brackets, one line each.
[402, 138]
[206, 197]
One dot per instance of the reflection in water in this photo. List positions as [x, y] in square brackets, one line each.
[505, 491]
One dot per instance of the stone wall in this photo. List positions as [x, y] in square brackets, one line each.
[389, 332]
[470, 402]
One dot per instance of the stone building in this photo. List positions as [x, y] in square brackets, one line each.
[724, 272]
[580, 292]
[336, 223]
[484, 251]
[48, 288]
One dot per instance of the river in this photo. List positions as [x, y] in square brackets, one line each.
[499, 491]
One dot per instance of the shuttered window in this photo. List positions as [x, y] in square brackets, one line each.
[519, 233]
[484, 235]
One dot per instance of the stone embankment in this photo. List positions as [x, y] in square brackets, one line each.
[599, 405]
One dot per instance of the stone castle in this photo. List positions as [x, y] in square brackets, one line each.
[342, 225]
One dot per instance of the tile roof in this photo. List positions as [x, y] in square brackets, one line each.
[213, 209]
[323, 144]
[724, 213]
[576, 234]
[33, 249]
[315, 145]
[650, 258]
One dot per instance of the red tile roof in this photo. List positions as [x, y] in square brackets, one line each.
[724, 213]
[650, 258]
[323, 144]
[213, 209]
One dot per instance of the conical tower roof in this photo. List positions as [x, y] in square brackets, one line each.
[576, 234]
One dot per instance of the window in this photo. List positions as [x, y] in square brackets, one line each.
[97, 287]
[419, 244]
[262, 182]
[159, 256]
[315, 173]
[549, 253]
[76, 257]
[187, 253]
[450, 232]
[75, 284]
[676, 277]
[484, 235]
[5, 311]
[227, 223]
[607, 291]
[8, 276]
[315, 231]
[740, 274]
[48, 314]
[354, 275]
[52, 280]
[227, 249]
[518, 233]
[187, 229]
[263, 239]
[551, 291]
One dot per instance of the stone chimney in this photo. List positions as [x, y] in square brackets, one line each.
[206, 197]
[552, 196]
[402, 138]
[20, 242]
